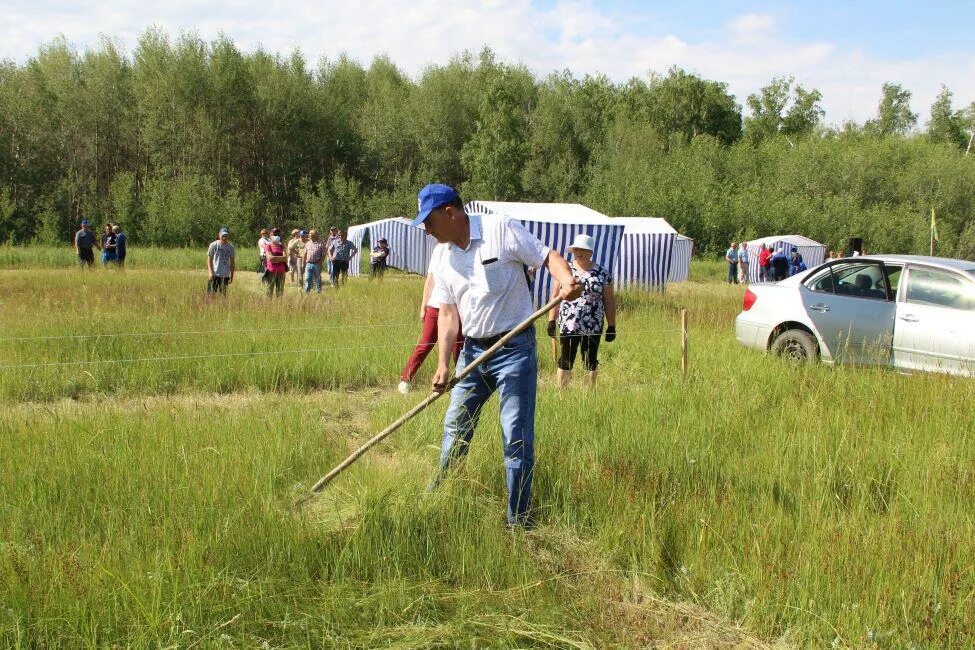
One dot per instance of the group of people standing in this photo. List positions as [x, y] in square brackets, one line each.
[773, 265]
[304, 257]
[112, 245]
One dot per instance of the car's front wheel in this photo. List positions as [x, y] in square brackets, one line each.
[795, 345]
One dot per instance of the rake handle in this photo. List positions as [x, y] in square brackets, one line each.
[431, 398]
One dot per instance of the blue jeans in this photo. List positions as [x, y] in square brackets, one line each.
[313, 277]
[513, 372]
[732, 272]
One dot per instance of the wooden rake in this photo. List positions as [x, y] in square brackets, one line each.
[430, 399]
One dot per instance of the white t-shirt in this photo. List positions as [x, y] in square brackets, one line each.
[436, 259]
[487, 279]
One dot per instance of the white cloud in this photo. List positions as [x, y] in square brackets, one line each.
[573, 34]
[748, 28]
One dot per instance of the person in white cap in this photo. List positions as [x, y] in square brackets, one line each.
[580, 321]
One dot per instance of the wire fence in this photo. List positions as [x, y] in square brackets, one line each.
[258, 353]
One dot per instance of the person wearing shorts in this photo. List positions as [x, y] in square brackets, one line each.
[262, 243]
[580, 321]
[84, 245]
[221, 263]
[109, 239]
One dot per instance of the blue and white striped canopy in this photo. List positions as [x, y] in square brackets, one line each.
[680, 260]
[556, 225]
[645, 258]
[409, 248]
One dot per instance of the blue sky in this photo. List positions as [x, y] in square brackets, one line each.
[845, 49]
[889, 29]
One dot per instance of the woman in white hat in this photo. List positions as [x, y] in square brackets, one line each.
[580, 321]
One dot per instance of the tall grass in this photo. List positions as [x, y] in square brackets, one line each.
[149, 503]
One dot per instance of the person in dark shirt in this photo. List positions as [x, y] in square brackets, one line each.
[84, 244]
[120, 249]
[109, 254]
[378, 258]
[780, 265]
[340, 253]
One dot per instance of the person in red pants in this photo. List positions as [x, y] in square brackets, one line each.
[429, 313]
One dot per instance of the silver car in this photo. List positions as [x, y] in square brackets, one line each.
[908, 311]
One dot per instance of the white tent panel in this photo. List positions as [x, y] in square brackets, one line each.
[680, 260]
[645, 255]
[556, 225]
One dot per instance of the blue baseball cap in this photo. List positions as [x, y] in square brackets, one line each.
[432, 197]
[224, 231]
[85, 222]
[302, 233]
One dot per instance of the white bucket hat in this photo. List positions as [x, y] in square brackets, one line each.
[583, 240]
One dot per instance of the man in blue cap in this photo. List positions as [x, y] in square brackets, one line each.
[481, 282]
[84, 243]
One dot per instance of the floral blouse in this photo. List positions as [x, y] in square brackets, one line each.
[585, 314]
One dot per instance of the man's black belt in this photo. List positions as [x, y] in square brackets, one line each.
[489, 341]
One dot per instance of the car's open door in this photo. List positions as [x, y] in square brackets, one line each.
[852, 308]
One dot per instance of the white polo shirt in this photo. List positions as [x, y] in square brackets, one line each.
[487, 279]
[436, 259]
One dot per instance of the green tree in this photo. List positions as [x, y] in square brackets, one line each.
[383, 122]
[495, 156]
[946, 126]
[230, 115]
[783, 107]
[568, 123]
[687, 106]
[894, 115]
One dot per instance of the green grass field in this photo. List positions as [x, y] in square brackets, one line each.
[153, 443]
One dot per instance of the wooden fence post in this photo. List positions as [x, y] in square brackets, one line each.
[683, 341]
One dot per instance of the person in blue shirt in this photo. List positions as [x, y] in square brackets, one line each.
[796, 265]
[120, 250]
[731, 256]
[780, 264]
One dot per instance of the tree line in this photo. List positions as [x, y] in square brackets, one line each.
[183, 136]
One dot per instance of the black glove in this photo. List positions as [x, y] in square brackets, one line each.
[551, 328]
[610, 333]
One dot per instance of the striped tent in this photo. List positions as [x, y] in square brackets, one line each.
[645, 256]
[680, 260]
[556, 225]
[409, 248]
[813, 253]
